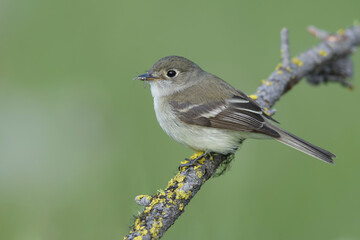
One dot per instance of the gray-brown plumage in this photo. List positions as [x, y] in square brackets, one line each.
[190, 103]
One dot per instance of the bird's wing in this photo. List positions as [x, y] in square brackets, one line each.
[239, 113]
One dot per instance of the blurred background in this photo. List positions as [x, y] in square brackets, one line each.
[79, 138]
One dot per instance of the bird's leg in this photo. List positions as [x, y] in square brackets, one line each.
[194, 159]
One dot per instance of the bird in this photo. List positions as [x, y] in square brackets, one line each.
[207, 114]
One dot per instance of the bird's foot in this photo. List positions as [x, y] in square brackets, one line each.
[198, 157]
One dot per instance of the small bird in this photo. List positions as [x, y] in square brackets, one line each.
[205, 113]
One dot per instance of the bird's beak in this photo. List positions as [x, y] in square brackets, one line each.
[146, 77]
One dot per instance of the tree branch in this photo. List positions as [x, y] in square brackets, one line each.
[285, 52]
[328, 61]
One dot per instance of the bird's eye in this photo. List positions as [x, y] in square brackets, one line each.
[171, 73]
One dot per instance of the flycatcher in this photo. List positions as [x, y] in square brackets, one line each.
[204, 113]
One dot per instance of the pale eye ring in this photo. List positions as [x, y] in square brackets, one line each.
[171, 73]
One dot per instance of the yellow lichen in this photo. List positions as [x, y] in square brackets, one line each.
[156, 227]
[297, 61]
[144, 232]
[170, 183]
[147, 209]
[137, 224]
[265, 111]
[179, 178]
[181, 206]
[253, 96]
[341, 31]
[199, 174]
[197, 167]
[142, 196]
[181, 194]
[184, 162]
[267, 83]
[196, 155]
[202, 161]
[153, 202]
[263, 81]
[322, 53]
[183, 168]
[278, 66]
[170, 194]
[138, 238]
[288, 69]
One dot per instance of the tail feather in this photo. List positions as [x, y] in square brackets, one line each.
[303, 146]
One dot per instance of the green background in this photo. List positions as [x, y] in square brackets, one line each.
[79, 138]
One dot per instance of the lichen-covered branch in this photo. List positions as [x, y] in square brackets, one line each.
[319, 64]
[328, 61]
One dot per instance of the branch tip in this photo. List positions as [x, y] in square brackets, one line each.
[318, 33]
[285, 52]
[143, 200]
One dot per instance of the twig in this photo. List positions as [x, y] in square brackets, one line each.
[285, 52]
[335, 47]
[319, 33]
[163, 208]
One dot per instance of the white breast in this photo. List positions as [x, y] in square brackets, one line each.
[195, 137]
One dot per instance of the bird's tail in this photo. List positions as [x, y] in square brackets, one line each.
[303, 146]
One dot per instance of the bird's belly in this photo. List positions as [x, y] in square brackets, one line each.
[209, 139]
[197, 137]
